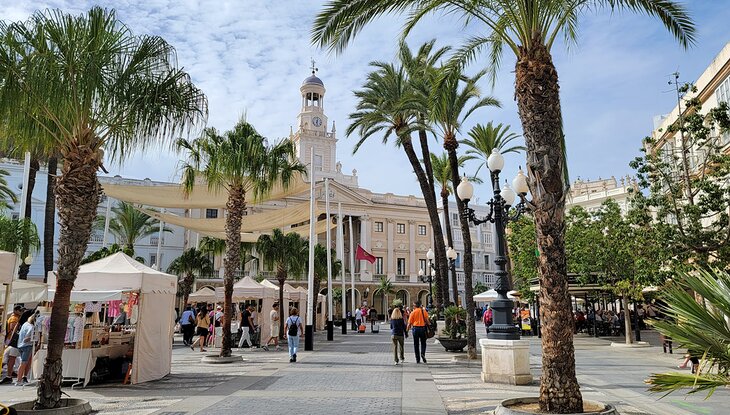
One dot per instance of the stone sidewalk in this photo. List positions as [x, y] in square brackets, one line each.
[355, 375]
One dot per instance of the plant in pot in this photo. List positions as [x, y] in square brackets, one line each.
[453, 336]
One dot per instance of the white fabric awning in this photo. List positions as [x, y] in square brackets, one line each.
[7, 267]
[248, 289]
[205, 294]
[123, 273]
[89, 296]
[24, 291]
[491, 295]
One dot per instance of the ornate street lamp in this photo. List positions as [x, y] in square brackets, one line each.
[499, 214]
[451, 255]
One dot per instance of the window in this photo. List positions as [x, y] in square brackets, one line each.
[423, 265]
[378, 226]
[454, 218]
[486, 261]
[211, 213]
[400, 266]
[379, 265]
[153, 260]
[422, 230]
[457, 263]
[401, 228]
[487, 238]
[318, 162]
[456, 233]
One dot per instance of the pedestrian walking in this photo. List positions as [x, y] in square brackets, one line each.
[246, 327]
[12, 330]
[25, 345]
[274, 328]
[373, 315]
[293, 332]
[487, 318]
[202, 322]
[417, 322]
[187, 325]
[398, 332]
[358, 318]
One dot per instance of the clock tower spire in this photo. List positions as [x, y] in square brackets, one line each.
[312, 134]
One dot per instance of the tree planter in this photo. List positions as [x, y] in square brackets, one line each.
[215, 359]
[69, 406]
[452, 345]
[529, 406]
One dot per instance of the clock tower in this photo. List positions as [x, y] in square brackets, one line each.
[312, 134]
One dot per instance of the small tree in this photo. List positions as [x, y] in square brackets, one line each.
[385, 287]
[191, 262]
[129, 225]
[6, 193]
[320, 270]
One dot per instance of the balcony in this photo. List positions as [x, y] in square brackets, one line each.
[155, 239]
[402, 278]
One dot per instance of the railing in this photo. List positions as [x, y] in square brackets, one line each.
[96, 238]
[402, 278]
[154, 240]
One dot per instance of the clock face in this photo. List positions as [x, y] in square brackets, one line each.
[317, 122]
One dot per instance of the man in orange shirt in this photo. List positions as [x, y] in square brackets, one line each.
[418, 320]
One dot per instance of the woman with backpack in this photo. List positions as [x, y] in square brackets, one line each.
[293, 332]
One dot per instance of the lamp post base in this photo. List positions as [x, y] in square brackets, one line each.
[506, 361]
[309, 337]
[330, 330]
[344, 326]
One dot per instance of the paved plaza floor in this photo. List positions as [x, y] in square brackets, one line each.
[354, 374]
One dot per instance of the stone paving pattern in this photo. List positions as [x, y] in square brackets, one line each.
[355, 375]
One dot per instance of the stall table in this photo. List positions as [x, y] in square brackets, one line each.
[78, 363]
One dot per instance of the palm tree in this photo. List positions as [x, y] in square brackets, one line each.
[191, 262]
[16, 234]
[485, 138]
[242, 163]
[528, 28]
[453, 101]
[289, 254]
[320, 269]
[442, 177]
[89, 83]
[6, 194]
[385, 287]
[130, 225]
[388, 104]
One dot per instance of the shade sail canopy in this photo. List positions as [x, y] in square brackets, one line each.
[88, 296]
[259, 222]
[303, 231]
[24, 291]
[7, 266]
[205, 294]
[491, 295]
[120, 272]
[173, 196]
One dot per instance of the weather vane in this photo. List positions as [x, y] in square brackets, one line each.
[313, 68]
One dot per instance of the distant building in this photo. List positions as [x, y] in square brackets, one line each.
[590, 194]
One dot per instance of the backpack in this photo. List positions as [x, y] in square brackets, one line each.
[293, 328]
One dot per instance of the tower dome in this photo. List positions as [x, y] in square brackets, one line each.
[313, 80]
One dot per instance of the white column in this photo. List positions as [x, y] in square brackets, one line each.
[390, 260]
[106, 221]
[352, 268]
[365, 267]
[412, 268]
[341, 255]
[159, 244]
[329, 250]
[310, 278]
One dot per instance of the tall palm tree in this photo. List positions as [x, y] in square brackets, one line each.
[243, 164]
[289, 254]
[389, 105]
[453, 101]
[528, 28]
[89, 83]
[320, 269]
[129, 225]
[485, 138]
[191, 262]
[6, 193]
[385, 287]
[442, 178]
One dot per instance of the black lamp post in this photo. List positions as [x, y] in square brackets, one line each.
[451, 255]
[428, 277]
[499, 214]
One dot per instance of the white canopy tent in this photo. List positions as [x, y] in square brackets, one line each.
[248, 289]
[205, 294]
[155, 324]
[491, 295]
[87, 296]
[24, 291]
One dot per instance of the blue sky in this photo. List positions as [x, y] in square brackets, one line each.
[251, 56]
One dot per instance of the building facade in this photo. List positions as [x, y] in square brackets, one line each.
[590, 194]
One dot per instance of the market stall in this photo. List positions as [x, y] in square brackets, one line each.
[321, 300]
[149, 295]
[203, 295]
[248, 289]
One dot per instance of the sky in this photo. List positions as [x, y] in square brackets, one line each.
[252, 56]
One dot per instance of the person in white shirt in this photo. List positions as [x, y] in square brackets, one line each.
[25, 345]
[358, 318]
[274, 328]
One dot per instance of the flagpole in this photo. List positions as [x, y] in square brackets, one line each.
[330, 324]
[341, 257]
[352, 270]
[309, 328]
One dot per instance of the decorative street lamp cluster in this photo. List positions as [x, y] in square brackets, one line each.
[451, 255]
[500, 207]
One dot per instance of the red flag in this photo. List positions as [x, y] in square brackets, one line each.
[363, 255]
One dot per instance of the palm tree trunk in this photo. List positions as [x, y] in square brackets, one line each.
[235, 205]
[281, 277]
[77, 192]
[450, 144]
[430, 199]
[34, 167]
[538, 102]
[317, 284]
[438, 234]
[49, 223]
[450, 237]
[187, 287]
